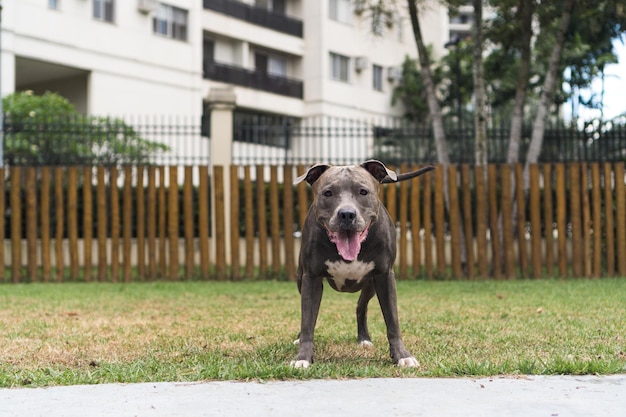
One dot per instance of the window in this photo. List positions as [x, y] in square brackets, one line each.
[171, 22]
[377, 77]
[270, 64]
[277, 66]
[208, 55]
[340, 10]
[276, 6]
[399, 27]
[279, 6]
[103, 10]
[339, 67]
[460, 19]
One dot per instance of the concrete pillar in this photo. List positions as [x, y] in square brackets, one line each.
[222, 103]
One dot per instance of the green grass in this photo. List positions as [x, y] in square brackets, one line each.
[66, 334]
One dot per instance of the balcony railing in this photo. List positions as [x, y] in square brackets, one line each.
[253, 79]
[256, 15]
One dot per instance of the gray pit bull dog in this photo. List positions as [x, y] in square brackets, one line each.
[349, 239]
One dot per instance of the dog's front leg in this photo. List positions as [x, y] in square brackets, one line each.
[310, 300]
[363, 336]
[386, 293]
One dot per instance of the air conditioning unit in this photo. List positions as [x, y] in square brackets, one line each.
[361, 63]
[147, 6]
[394, 74]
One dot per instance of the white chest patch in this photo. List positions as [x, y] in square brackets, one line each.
[341, 271]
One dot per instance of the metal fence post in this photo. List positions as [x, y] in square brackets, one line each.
[222, 103]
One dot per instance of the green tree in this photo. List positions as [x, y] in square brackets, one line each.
[527, 47]
[452, 76]
[410, 92]
[47, 130]
[591, 48]
[508, 65]
[535, 66]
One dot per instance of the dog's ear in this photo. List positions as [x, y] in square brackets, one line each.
[379, 171]
[312, 174]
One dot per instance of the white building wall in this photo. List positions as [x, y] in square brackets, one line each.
[270, 103]
[118, 94]
[314, 59]
[128, 70]
[357, 98]
[7, 78]
[131, 69]
[435, 27]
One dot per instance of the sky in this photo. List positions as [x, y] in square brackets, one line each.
[615, 88]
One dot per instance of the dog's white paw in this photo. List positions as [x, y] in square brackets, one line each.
[296, 342]
[409, 362]
[366, 344]
[302, 364]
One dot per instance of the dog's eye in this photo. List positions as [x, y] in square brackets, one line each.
[327, 193]
[363, 191]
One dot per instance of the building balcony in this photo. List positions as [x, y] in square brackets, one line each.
[253, 79]
[256, 15]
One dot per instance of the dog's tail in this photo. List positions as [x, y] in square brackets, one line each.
[408, 175]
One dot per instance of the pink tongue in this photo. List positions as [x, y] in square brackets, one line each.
[348, 245]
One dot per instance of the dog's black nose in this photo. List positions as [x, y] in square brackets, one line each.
[347, 215]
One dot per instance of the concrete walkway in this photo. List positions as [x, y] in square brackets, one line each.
[524, 396]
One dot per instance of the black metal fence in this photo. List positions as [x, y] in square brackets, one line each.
[342, 141]
[92, 140]
[271, 139]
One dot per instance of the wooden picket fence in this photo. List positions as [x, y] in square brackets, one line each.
[143, 223]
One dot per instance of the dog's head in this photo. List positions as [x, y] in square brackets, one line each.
[346, 201]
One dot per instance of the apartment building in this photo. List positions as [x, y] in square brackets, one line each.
[145, 57]
[460, 22]
[105, 56]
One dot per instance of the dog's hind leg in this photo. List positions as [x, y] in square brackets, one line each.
[299, 282]
[363, 336]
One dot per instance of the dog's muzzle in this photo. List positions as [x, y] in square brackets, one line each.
[347, 237]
